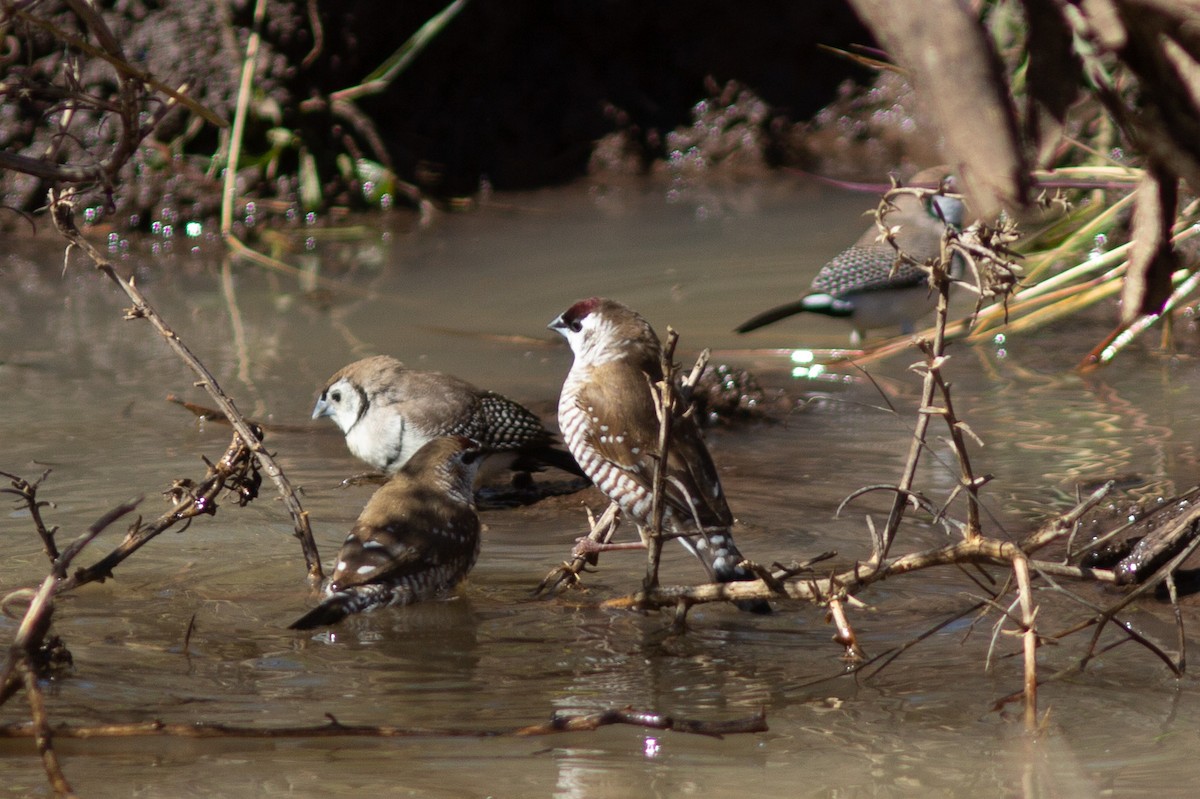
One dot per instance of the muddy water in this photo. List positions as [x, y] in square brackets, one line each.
[83, 394]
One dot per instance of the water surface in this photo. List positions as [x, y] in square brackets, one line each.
[84, 395]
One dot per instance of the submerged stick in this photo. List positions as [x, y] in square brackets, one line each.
[1029, 638]
[335, 729]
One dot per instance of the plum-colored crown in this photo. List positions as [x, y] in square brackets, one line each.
[581, 309]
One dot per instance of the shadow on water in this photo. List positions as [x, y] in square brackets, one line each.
[84, 394]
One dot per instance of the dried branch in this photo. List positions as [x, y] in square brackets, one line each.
[20, 667]
[1028, 613]
[664, 393]
[236, 471]
[981, 550]
[27, 493]
[335, 729]
[63, 214]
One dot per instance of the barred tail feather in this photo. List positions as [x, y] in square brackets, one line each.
[722, 559]
[356, 599]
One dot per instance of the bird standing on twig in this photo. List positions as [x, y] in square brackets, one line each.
[389, 411]
[607, 413]
[858, 284]
[417, 537]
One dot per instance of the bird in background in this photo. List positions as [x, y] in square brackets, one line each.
[388, 412]
[417, 537]
[858, 283]
[608, 416]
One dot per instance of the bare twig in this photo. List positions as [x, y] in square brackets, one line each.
[62, 212]
[981, 550]
[27, 493]
[1028, 613]
[235, 471]
[664, 392]
[335, 729]
[844, 634]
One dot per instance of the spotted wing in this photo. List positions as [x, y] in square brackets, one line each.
[622, 397]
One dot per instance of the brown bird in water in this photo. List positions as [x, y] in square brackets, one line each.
[417, 537]
[607, 413]
[388, 412]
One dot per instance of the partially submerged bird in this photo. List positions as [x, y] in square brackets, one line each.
[858, 283]
[607, 413]
[417, 537]
[389, 411]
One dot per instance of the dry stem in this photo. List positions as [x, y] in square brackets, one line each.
[335, 729]
[62, 212]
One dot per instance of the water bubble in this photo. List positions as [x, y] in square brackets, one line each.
[310, 243]
[193, 229]
[385, 201]
[310, 218]
[90, 215]
[155, 228]
[168, 231]
[113, 241]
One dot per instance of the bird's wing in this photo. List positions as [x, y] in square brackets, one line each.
[407, 543]
[862, 269]
[509, 425]
[622, 396]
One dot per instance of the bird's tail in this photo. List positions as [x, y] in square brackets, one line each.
[721, 557]
[355, 599]
[817, 302]
[774, 315]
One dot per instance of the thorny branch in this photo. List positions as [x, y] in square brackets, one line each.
[27, 493]
[62, 212]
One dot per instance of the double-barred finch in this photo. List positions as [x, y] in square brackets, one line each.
[609, 419]
[417, 537]
[389, 411]
[858, 283]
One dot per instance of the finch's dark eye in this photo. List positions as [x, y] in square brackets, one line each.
[336, 396]
[575, 325]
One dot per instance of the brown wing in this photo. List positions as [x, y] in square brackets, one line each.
[622, 396]
[403, 534]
